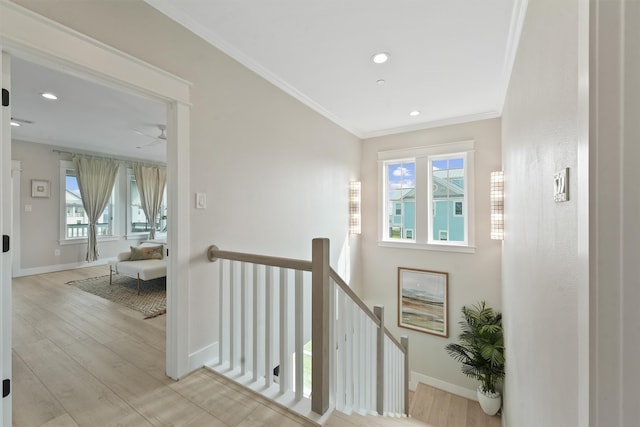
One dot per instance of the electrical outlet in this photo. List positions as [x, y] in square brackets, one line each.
[56, 252]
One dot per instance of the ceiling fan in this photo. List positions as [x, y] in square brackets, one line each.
[157, 139]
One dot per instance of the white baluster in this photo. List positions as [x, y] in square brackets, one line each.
[221, 305]
[243, 318]
[348, 325]
[268, 331]
[256, 316]
[299, 335]
[232, 314]
[284, 333]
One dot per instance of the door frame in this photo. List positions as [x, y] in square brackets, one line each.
[28, 35]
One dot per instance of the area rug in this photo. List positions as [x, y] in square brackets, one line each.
[151, 302]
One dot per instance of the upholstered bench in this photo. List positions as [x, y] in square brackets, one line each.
[144, 262]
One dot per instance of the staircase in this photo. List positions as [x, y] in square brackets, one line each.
[294, 332]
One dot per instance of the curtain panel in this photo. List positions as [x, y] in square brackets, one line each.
[96, 177]
[151, 181]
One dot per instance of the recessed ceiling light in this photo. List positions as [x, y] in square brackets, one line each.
[414, 113]
[49, 95]
[380, 82]
[15, 124]
[380, 58]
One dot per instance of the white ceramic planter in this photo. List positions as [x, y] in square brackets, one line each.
[490, 403]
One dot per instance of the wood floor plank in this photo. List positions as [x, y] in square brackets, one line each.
[263, 416]
[127, 380]
[147, 358]
[440, 408]
[33, 404]
[475, 416]
[215, 397]
[457, 411]
[88, 401]
[165, 407]
[64, 420]
[420, 408]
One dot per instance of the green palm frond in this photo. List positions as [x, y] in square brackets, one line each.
[480, 347]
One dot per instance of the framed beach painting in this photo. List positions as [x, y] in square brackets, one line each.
[423, 301]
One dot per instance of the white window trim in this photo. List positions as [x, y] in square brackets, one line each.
[421, 156]
[63, 240]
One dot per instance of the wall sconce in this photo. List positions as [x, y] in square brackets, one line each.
[354, 207]
[497, 205]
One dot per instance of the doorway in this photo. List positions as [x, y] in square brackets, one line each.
[47, 43]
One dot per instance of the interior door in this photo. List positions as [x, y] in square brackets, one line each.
[5, 224]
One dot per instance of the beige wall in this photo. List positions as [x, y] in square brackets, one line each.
[472, 277]
[545, 256]
[275, 172]
[40, 228]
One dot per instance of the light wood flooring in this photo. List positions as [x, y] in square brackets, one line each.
[79, 360]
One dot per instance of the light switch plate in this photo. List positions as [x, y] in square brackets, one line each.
[561, 185]
[201, 200]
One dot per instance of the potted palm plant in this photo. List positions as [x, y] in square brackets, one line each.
[481, 351]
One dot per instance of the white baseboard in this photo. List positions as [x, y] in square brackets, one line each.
[202, 357]
[58, 267]
[415, 378]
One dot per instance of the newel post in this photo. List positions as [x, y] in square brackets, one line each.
[378, 310]
[320, 326]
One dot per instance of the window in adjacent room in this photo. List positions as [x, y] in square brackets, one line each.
[75, 223]
[136, 219]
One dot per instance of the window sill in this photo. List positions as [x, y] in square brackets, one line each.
[83, 240]
[427, 247]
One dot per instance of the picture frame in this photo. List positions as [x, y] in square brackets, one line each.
[423, 300]
[40, 188]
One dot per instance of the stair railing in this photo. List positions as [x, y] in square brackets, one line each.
[295, 332]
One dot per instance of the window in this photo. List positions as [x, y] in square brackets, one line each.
[75, 223]
[447, 174]
[136, 218]
[400, 198]
[427, 197]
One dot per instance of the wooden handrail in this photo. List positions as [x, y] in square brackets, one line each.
[355, 298]
[214, 254]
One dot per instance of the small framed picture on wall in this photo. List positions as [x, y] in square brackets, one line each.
[423, 301]
[40, 188]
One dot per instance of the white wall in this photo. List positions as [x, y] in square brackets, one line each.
[275, 173]
[545, 256]
[615, 213]
[472, 277]
[40, 228]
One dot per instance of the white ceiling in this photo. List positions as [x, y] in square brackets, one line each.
[87, 116]
[450, 59]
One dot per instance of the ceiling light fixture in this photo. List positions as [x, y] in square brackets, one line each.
[380, 82]
[380, 58]
[15, 124]
[414, 113]
[49, 95]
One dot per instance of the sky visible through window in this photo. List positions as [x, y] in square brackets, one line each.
[401, 175]
[457, 163]
[72, 184]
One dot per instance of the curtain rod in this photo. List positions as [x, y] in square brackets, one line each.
[130, 161]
